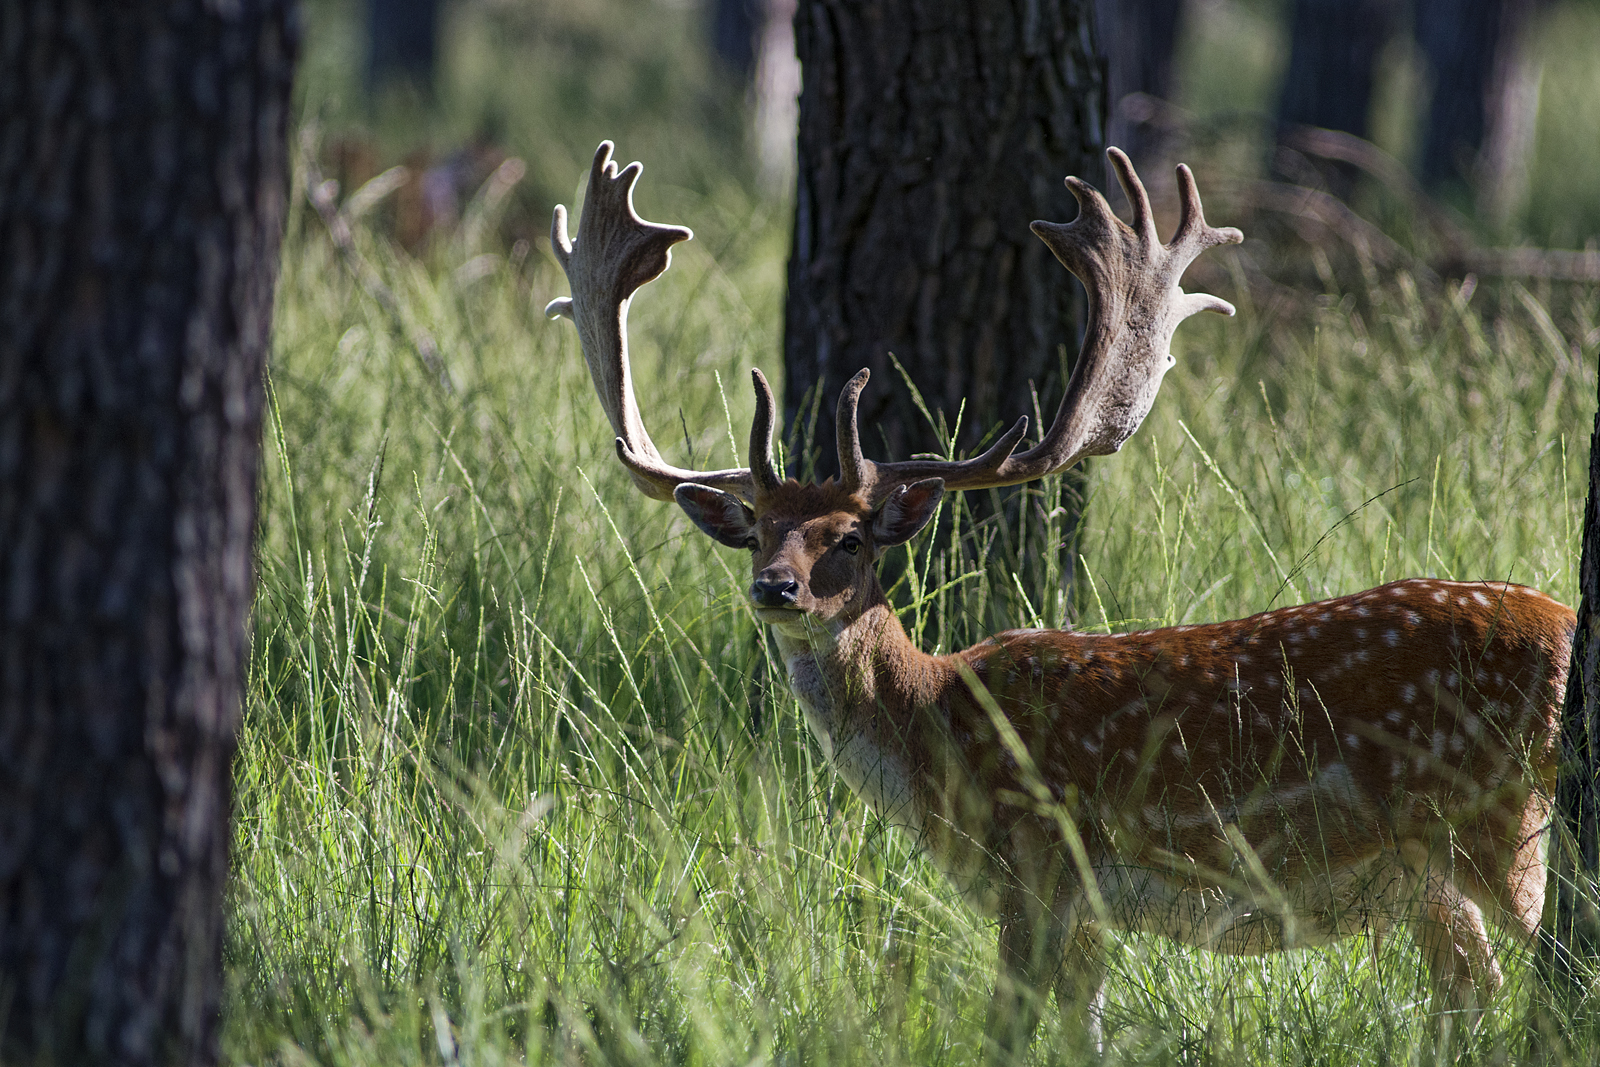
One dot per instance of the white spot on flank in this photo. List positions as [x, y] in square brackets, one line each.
[1091, 747]
[1391, 638]
[1397, 767]
[1431, 677]
[1439, 596]
[1480, 598]
[1457, 744]
[1273, 681]
[1413, 619]
[1179, 751]
[1361, 633]
[1451, 680]
[1352, 742]
[1362, 612]
[1408, 693]
[1437, 744]
[1394, 717]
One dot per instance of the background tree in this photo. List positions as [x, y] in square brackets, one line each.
[1471, 48]
[1569, 948]
[141, 208]
[930, 135]
[402, 44]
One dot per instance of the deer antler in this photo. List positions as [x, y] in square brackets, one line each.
[1135, 304]
[615, 253]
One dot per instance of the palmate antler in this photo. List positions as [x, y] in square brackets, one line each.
[615, 253]
[1135, 305]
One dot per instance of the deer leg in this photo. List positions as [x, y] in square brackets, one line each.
[1080, 985]
[1450, 932]
[1031, 941]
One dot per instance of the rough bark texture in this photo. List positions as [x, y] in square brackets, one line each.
[1569, 946]
[931, 134]
[142, 178]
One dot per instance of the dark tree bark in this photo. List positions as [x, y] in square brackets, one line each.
[1333, 56]
[735, 25]
[1470, 46]
[142, 190]
[402, 43]
[1140, 42]
[1569, 945]
[931, 134]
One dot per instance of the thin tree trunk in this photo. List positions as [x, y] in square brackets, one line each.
[1569, 945]
[1140, 42]
[402, 44]
[931, 134]
[142, 179]
[1333, 57]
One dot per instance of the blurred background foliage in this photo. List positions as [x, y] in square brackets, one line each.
[545, 80]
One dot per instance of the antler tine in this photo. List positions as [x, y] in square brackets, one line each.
[877, 480]
[1192, 229]
[855, 469]
[614, 254]
[1144, 222]
[1135, 305]
[764, 478]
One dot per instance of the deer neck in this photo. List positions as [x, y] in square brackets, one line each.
[856, 676]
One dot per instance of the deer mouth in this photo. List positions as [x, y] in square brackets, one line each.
[770, 614]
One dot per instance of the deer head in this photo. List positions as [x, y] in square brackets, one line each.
[814, 545]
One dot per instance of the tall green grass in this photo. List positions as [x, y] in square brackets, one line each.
[520, 781]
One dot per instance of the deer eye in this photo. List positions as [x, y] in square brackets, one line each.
[751, 544]
[850, 543]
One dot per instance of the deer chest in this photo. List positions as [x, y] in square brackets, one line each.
[854, 742]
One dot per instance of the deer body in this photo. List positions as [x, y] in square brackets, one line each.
[1313, 731]
[1283, 780]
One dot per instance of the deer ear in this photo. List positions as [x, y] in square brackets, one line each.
[907, 510]
[722, 515]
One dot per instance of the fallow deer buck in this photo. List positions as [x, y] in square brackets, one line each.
[1288, 779]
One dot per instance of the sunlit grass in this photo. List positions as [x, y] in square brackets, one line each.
[519, 779]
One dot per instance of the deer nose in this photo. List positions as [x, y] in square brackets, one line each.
[777, 593]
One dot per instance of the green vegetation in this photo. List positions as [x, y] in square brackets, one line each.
[519, 780]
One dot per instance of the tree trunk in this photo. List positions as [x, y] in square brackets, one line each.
[931, 134]
[402, 44]
[1569, 945]
[142, 180]
[1140, 42]
[1333, 58]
